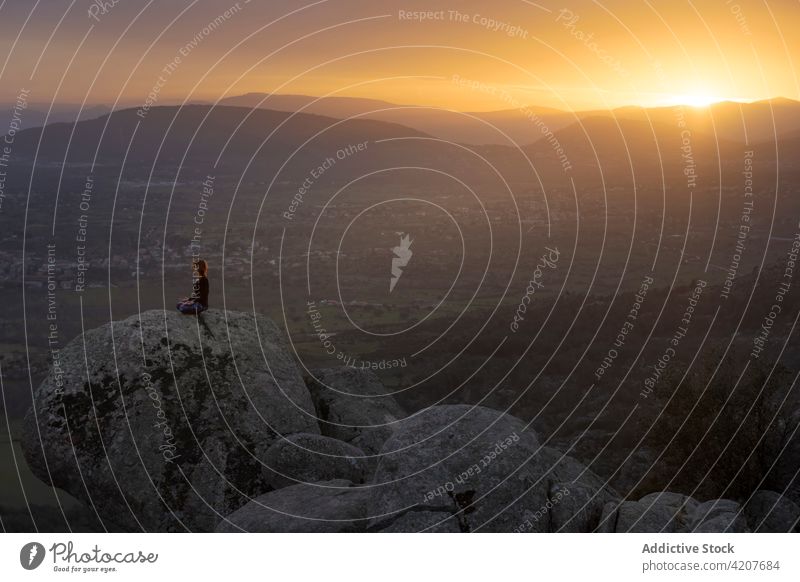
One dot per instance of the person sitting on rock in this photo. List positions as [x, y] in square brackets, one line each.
[198, 301]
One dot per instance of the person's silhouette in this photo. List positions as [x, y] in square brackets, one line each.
[197, 302]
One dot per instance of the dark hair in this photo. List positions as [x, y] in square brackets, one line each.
[200, 266]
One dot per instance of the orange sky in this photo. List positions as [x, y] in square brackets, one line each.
[571, 54]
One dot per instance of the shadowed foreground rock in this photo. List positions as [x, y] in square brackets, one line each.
[303, 458]
[354, 406]
[675, 513]
[448, 469]
[171, 423]
[479, 468]
[167, 430]
[327, 507]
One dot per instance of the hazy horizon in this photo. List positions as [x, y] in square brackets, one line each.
[68, 105]
[580, 58]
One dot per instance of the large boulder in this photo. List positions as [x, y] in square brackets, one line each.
[561, 467]
[657, 512]
[576, 497]
[470, 468]
[723, 523]
[673, 513]
[420, 522]
[718, 516]
[636, 517]
[326, 507]
[303, 458]
[354, 406]
[768, 511]
[574, 507]
[160, 421]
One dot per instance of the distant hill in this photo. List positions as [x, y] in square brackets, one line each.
[339, 107]
[645, 142]
[493, 127]
[39, 114]
[728, 121]
[742, 122]
[261, 142]
[200, 130]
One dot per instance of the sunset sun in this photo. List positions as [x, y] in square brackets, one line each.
[699, 99]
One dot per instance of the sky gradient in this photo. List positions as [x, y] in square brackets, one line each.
[464, 55]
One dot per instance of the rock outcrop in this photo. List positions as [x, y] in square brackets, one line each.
[305, 458]
[353, 406]
[327, 507]
[673, 513]
[448, 469]
[161, 420]
[575, 507]
[474, 467]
